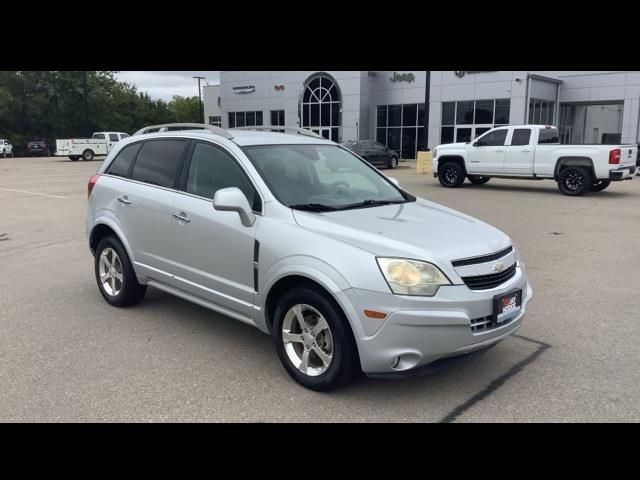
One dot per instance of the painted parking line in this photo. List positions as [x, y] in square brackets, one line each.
[41, 194]
[495, 384]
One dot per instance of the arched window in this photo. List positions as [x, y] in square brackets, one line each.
[320, 106]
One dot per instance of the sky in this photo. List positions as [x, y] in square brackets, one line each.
[165, 84]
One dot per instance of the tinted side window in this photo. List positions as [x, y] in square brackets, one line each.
[122, 163]
[113, 137]
[521, 136]
[158, 162]
[549, 135]
[212, 169]
[493, 139]
[98, 136]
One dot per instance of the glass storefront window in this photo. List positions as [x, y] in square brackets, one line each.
[484, 111]
[401, 128]
[464, 113]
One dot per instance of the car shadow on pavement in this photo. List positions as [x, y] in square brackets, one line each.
[544, 189]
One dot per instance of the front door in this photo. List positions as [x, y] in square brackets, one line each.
[214, 251]
[486, 154]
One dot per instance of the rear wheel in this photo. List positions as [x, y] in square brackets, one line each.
[600, 185]
[451, 175]
[115, 276]
[575, 181]
[87, 155]
[314, 340]
[478, 179]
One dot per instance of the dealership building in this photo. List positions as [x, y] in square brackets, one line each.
[388, 106]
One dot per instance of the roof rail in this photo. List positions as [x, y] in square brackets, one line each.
[168, 127]
[298, 130]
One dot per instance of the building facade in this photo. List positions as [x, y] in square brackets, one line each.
[388, 106]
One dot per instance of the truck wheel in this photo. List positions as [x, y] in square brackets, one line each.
[87, 155]
[74, 158]
[575, 181]
[478, 179]
[451, 175]
[600, 185]
[314, 340]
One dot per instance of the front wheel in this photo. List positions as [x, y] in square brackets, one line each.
[478, 179]
[600, 185]
[575, 181]
[116, 278]
[4, 154]
[451, 175]
[314, 340]
[393, 163]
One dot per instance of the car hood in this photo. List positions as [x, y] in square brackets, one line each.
[451, 145]
[419, 230]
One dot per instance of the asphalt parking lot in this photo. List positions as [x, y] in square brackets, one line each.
[66, 355]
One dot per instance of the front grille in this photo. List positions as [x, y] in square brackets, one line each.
[484, 324]
[482, 259]
[485, 282]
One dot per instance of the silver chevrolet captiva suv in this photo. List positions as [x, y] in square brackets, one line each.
[301, 238]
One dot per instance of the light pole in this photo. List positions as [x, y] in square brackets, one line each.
[200, 98]
[427, 94]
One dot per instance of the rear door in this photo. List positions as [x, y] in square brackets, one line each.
[213, 258]
[145, 203]
[486, 154]
[518, 158]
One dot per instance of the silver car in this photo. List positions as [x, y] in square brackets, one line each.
[306, 241]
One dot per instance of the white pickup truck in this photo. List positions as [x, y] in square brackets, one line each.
[533, 152]
[100, 143]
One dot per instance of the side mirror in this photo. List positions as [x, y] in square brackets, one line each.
[477, 144]
[395, 181]
[233, 200]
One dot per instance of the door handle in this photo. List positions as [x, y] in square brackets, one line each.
[499, 151]
[182, 217]
[124, 200]
[526, 150]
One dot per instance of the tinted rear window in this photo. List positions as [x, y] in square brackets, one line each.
[549, 135]
[122, 163]
[158, 162]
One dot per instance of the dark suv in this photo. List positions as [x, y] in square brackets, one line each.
[373, 152]
[39, 147]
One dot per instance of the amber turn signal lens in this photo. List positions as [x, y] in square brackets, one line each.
[374, 314]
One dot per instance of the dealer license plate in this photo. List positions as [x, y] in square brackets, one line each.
[507, 306]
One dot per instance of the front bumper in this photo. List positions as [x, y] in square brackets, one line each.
[622, 173]
[420, 330]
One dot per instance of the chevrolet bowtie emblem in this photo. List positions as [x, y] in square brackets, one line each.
[498, 267]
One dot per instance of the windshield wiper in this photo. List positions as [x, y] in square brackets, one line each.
[370, 203]
[313, 207]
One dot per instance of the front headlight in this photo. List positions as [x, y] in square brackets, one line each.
[411, 277]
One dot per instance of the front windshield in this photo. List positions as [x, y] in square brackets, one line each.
[321, 177]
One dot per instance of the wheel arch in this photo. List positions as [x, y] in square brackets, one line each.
[444, 159]
[104, 228]
[564, 162]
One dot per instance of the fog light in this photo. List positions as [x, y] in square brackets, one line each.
[395, 361]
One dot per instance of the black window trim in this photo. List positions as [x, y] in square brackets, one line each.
[181, 184]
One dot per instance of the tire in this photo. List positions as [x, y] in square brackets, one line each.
[130, 292]
[451, 175]
[575, 181]
[74, 158]
[393, 163]
[343, 364]
[87, 155]
[600, 185]
[4, 154]
[478, 179]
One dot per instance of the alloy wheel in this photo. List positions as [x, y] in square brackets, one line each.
[307, 340]
[110, 270]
